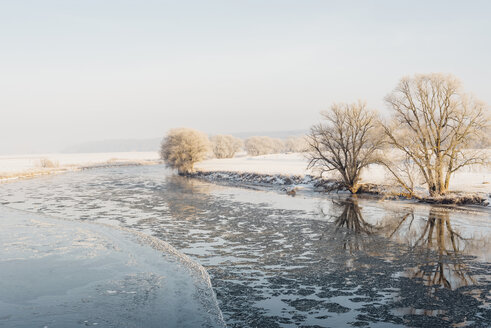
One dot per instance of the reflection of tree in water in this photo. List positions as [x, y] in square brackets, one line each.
[184, 197]
[438, 247]
[351, 223]
[186, 185]
[436, 265]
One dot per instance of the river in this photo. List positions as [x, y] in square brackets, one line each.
[313, 260]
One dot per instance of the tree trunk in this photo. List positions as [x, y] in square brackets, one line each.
[440, 183]
[432, 189]
[354, 188]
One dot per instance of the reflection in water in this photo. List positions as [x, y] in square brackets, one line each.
[349, 220]
[181, 203]
[440, 247]
[275, 261]
[352, 219]
[437, 246]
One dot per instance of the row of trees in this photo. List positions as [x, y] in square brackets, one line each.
[263, 145]
[183, 147]
[225, 146]
[435, 129]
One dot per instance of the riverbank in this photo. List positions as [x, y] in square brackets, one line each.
[14, 167]
[289, 173]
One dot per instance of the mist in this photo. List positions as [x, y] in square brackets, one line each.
[75, 72]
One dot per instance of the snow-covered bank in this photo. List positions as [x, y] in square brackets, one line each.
[286, 164]
[23, 166]
[466, 180]
[290, 170]
[61, 273]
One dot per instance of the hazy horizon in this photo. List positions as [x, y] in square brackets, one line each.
[75, 72]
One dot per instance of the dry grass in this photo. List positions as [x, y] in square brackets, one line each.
[457, 199]
[5, 177]
[46, 163]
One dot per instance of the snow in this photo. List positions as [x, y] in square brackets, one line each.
[285, 164]
[14, 166]
[472, 179]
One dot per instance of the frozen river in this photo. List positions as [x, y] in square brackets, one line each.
[278, 261]
[58, 273]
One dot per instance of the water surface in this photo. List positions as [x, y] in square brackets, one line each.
[308, 261]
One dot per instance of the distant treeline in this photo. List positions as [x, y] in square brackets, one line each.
[130, 145]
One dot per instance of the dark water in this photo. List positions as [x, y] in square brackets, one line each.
[308, 261]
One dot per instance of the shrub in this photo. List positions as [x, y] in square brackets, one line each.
[46, 163]
[182, 148]
[259, 145]
[296, 145]
[225, 146]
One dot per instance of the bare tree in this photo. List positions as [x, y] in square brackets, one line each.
[261, 145]
[347, 142]
[182, 148]
[225, 146]
[434, 124]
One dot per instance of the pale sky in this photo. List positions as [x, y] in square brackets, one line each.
[75, 71]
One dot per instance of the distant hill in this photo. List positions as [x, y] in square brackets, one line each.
[115, 145]
[273, 134]
[153, 144]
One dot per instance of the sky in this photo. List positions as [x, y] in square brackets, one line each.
[77, 71]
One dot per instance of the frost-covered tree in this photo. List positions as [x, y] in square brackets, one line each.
[182, 148]
[296, 145]
[225, 146]
[347, 142]
[435, 125]
[261, 145]
[278, 146]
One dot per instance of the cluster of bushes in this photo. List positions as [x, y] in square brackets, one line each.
[256, 146]
[262, 145]
[225, 146]
[296, 145]
[47, 163]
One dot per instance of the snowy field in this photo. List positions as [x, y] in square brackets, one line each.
[13, 166]
[475, 179]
